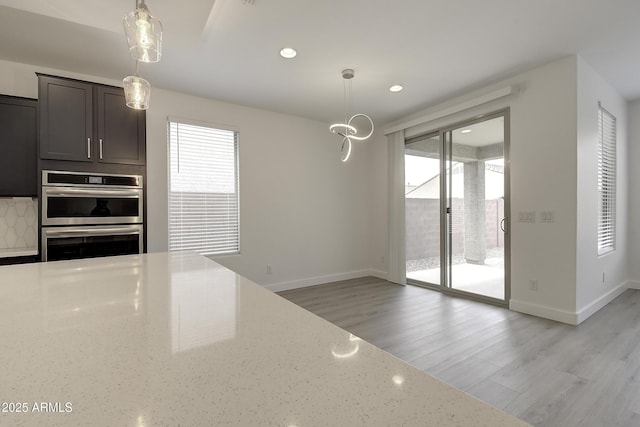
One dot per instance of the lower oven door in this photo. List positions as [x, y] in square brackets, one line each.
[62, 243]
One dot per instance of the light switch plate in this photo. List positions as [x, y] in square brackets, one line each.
[528, 216]
[547, 216]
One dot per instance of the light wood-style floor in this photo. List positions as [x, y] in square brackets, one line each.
[543, 372]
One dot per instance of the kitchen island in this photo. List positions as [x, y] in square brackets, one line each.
[179, 340]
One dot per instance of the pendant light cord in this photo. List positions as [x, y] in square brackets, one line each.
[344, 98]
[350, 97]
[347, 94]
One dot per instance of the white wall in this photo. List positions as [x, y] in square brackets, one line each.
[543, 178]
[592, 291]
[303, 211]
[20, 79]
[634, 195]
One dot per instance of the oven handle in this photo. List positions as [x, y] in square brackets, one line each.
[76, 192]
[92, 231]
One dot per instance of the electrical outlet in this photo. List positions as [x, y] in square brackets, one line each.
[268, 268]
[533, 284]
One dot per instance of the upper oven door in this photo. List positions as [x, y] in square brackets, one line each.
[81, 205]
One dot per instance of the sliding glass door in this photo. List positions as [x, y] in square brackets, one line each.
[456, 199]
[475, 215]
[423, 204]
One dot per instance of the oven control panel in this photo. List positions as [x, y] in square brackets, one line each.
[88, 179]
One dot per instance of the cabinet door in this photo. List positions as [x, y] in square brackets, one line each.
[66, 119]
[121, 130]
[18, 139]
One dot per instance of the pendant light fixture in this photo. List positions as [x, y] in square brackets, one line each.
[144, 37]
[348, 130]
[144, 34]
[137, 91]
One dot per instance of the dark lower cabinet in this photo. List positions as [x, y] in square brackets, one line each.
[88, 122]
[18, 145]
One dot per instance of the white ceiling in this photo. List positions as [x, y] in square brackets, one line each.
[228, 49]
[481, 134]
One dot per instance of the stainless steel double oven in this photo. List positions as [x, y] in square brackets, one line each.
[86, 215]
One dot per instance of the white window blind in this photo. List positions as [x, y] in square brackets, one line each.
[203, 189]
[606, 181]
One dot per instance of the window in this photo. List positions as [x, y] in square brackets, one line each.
[606, 181]
[203, 189]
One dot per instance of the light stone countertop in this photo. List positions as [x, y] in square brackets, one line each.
[178, 340]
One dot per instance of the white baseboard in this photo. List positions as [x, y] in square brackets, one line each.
[586, 312]
[633, 284]
[572, 318]
[543, 311]
[319, 280]
[384, 276]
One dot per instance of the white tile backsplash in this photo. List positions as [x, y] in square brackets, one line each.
[18, 223]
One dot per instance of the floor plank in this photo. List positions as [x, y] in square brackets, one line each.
[543, 372]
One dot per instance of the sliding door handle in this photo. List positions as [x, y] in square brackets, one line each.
[502, 224]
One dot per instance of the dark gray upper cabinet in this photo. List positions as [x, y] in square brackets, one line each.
[18, 141]
[121, 130]
[66, 119]
[87, 122]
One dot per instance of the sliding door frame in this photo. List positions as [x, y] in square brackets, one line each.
[445, 247]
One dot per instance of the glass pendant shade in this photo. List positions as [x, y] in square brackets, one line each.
[137, 92]
[144, 34]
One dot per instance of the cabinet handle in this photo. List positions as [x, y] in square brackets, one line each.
[100, 140]
[88, 148]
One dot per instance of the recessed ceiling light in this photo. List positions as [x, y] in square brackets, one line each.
[396, 88]
[465, 131]
[288, 53]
